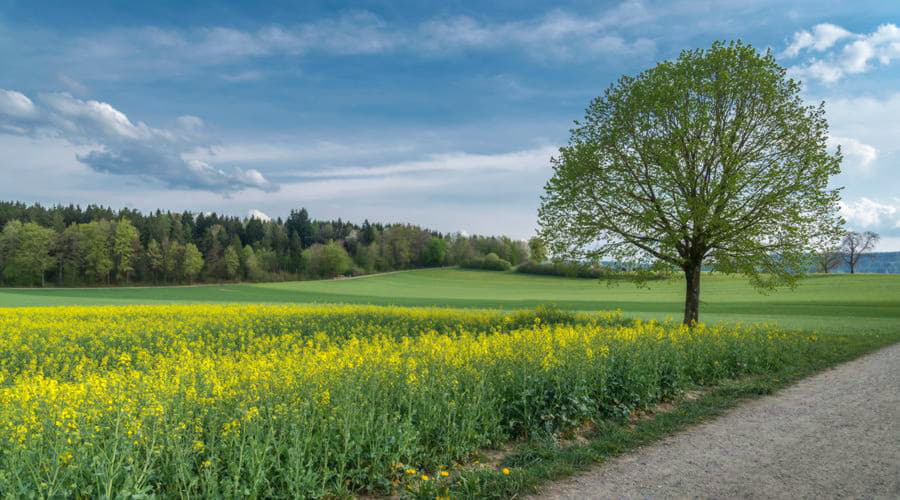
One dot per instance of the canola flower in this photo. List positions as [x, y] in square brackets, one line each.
[305, 401]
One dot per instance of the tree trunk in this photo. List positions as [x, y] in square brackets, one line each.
[692, 294]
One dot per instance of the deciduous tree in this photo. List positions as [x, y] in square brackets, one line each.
[191, 262]
[855, 245]
[155, 258]
[231, 260]
[712, 159]
[33, 253]
[126, 243]
[538, 249]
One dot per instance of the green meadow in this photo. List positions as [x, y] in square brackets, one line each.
[829, 303]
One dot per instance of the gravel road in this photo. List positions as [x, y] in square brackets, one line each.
[834, 435]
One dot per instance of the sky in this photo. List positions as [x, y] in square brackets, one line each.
[443, 114]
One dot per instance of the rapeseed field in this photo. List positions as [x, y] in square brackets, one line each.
[312, 401]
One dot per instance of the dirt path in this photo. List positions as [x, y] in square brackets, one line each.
[836, 434]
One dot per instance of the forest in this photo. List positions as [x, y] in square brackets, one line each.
[96, 245]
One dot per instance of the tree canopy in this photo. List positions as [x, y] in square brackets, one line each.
[710, 160]
[71, 245]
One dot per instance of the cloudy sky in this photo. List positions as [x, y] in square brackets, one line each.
[442, 114]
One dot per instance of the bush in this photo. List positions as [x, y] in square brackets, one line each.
[327, 261]
[572, 269]
[490, 262]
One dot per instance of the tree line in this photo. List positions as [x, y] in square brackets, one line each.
[93, 245]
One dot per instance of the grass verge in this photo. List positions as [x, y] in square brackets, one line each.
[540, 460]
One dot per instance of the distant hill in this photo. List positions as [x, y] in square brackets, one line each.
[876, 262]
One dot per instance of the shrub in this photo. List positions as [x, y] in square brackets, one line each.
[572, 269]
[490, 262]
[327, 261]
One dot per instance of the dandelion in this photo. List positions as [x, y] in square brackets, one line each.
[444, 473]
[505, 471]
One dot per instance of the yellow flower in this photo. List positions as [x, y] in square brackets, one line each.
[104, 378]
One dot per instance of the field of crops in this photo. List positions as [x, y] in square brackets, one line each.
[301, 401]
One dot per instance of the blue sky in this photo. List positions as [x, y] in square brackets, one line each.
[442, 114]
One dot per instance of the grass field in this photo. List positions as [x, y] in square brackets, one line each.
[836, 302]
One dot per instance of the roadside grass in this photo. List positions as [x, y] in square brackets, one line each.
[543, 459]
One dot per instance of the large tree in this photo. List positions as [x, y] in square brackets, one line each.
[710, 160]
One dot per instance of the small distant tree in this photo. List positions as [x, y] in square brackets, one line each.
[249, 266]
[98, 253]
[435, 252]
[155, 258]
[192, 262]
[69, 253]
[32, 256]
[9, 244]
[538, 249]
[172, 251]
[231, 260]
[327, 261]
[713, 159]
[827, 260]
[365, 257]
[855, 245]
[125, 245]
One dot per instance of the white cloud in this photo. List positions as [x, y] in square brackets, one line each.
[822, 37]
[127, 52]
[457, 162]
[119, 146]
[860, 155]
[558, 33]
[854, 57]
[258, 214]
[15, 105]
[867, 214]
[295, 151]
